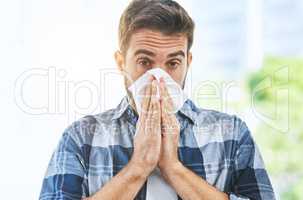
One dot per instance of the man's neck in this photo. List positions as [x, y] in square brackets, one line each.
[132, 103]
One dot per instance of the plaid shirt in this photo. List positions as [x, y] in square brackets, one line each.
[217, 147]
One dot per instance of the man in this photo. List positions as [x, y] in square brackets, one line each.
[203, 154]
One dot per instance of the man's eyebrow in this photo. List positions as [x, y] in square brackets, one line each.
[149, 53]
[178, 53]
[144, 51]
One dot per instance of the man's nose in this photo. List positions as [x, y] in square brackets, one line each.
[159, 66]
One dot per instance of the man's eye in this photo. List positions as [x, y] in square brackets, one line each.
[173, 65]
[144, 62]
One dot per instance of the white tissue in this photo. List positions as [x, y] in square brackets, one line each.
[157, 188]
[175, 91]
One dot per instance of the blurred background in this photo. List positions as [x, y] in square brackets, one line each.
[57, 65]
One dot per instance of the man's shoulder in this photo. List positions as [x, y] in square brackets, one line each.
[93, 121]
[84, 129]
[210, 116]
[230, 126]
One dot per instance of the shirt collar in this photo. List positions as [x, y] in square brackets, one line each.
[121, 108]
[188, 109]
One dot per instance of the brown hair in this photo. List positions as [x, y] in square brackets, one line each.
[166, 16]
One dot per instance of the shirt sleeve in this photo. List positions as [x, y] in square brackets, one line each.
[66, 176]
[251, 181]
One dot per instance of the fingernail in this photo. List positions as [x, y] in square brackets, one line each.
[161, 83]
[154, 82]
[150, 77]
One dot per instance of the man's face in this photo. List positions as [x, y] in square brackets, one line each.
[150, 49]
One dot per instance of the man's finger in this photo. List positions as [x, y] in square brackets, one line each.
[156, 106]
[149, 119]
[154, 90]
[149, 122]
[146, 96]
[166, 101]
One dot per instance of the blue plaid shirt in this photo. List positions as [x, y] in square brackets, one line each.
[217, 147]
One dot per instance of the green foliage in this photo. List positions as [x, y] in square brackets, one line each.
[295, 192]
[282, 150]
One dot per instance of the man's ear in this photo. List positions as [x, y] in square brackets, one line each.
[189, 59]
[119, 60]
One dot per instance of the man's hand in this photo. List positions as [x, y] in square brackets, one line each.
[147, 141]
[170, 129]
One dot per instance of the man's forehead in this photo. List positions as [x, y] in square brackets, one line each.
[148, 39]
